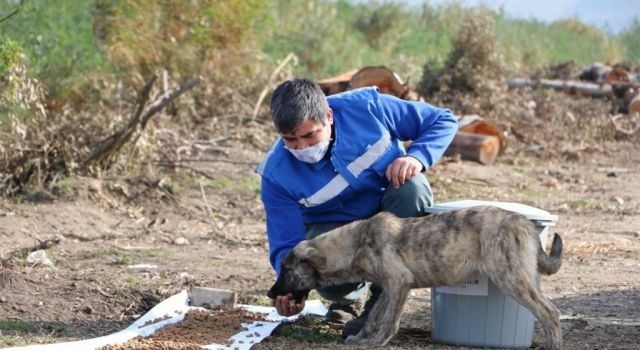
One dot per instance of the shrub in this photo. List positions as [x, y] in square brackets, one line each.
[144, 36]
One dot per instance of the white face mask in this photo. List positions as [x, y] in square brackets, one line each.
[311, 154]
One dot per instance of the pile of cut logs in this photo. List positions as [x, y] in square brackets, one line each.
[477, 139]
[596, 80]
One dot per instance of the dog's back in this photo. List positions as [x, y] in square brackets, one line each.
[446, 247]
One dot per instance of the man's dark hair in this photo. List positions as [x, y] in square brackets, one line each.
[296, 100]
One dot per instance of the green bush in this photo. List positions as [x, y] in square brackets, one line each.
[630, 38]
[19, 92]
[10, 56]
[57, 39]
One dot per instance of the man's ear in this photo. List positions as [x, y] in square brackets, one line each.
[330, 115]
[314, 258]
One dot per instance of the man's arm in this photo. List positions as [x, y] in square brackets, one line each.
[285, 228]
[430, 128]
[285, 225]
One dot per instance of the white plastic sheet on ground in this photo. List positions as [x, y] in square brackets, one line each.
[174, 309]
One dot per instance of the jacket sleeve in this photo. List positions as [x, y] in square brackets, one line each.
[285, 225]
[431, 129]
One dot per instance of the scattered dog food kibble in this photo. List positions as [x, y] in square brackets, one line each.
[159, 319]
[198, 328]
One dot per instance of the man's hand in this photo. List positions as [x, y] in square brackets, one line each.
[286, 306]
[402, 169]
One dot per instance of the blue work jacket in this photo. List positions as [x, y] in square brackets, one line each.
[348, 183]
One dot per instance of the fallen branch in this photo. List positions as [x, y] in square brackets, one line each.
[621, 130]
[568, 86]
[204, 198]
[212, 160]
[176, 165]
[138, 121]
[113, 143]
[158, 105]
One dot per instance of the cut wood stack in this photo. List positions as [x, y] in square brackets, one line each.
[571, 87]
[478, 140]
[337, 84]
[387, 82]
[595, 72]
[634, 105]
[382, 77]
[617, 75]
[483, 149]
[597, 80]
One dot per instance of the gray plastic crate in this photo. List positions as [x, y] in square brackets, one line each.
[476, 312]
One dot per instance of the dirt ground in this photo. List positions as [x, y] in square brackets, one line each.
[200, 231]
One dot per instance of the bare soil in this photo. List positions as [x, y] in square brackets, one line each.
[199, 231]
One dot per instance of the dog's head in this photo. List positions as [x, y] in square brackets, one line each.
[298, 272]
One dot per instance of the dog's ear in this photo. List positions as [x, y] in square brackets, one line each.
[313, 256]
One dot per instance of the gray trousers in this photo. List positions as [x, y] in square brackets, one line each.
[409, 200]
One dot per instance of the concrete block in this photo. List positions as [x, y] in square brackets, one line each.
[213, 298]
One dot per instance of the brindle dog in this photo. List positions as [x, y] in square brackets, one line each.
[433, 250]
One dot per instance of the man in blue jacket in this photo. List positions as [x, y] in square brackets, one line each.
[341, 158]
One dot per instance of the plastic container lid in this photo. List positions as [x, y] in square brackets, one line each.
[529, 212]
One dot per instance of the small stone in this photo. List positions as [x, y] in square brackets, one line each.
[87, 309]
[181, 241]
[617, 200]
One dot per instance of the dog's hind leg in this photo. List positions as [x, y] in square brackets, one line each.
[525, 291]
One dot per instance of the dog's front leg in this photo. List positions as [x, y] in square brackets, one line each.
[384, 320]
[370, 326]
[389, 320]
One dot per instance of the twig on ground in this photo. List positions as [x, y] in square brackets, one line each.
[627, 132]
[213, 160]
[176, 165]
[204, 198]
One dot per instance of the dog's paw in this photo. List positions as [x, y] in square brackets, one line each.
[353, 340]
[365, 341]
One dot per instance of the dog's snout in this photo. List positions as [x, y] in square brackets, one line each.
[276, 289]
[272, 293]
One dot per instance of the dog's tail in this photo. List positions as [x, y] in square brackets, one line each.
[550, 264]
